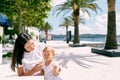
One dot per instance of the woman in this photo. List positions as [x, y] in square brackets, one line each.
[27, 56]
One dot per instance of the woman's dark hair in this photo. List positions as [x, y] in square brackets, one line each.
[18, 51]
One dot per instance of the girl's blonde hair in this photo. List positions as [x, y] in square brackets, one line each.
[49, 48]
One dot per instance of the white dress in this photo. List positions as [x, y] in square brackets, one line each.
[34, 57]
[48, 72]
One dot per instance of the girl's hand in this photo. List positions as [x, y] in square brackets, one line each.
[38, 67]
[56, 70]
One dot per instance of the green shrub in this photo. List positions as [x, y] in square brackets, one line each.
[9, 55]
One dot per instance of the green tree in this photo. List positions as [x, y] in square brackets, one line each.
[46, 28]
[26, 12]
[69, 21]
[66, 23]
[111, 42]
[76, 6]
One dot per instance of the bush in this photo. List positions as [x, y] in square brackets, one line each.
[9, 55]
[4, 40]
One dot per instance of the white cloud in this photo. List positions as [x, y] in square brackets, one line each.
[56, 2]
[84, 29]
[100, 24]
[58, 31]
[85, 15]
[100, 28]
[95, 25]
[102, 19]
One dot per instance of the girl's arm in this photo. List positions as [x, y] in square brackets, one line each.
[56, 70]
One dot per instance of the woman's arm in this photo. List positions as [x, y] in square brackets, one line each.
[30, 72]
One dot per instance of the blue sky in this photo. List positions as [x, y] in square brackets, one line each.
[95, 24]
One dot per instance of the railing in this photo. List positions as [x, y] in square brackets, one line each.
[97, 45]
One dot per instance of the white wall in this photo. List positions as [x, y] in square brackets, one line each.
[1, 33]
[0, 53]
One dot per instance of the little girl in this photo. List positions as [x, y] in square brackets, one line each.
[50, 69]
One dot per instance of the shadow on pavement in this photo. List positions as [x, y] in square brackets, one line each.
[78, 59]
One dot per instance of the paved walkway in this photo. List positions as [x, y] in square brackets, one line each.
[78, 63]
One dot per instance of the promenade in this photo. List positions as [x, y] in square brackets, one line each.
[78, 63]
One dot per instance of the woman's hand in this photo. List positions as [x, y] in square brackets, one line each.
[37, 67]
[56, 70]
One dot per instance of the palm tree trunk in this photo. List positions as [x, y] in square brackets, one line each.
[20, 22]
[111, 42]
[46, 33]
[76, 27]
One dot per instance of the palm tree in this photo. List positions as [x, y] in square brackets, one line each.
[46, 28]
[66, 23]
[111, 42]
[76, 6]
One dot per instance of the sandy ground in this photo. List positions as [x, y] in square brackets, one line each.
[78, 63]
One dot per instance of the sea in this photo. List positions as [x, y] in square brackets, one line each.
[93, 38]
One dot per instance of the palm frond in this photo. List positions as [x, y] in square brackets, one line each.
[62, 8]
